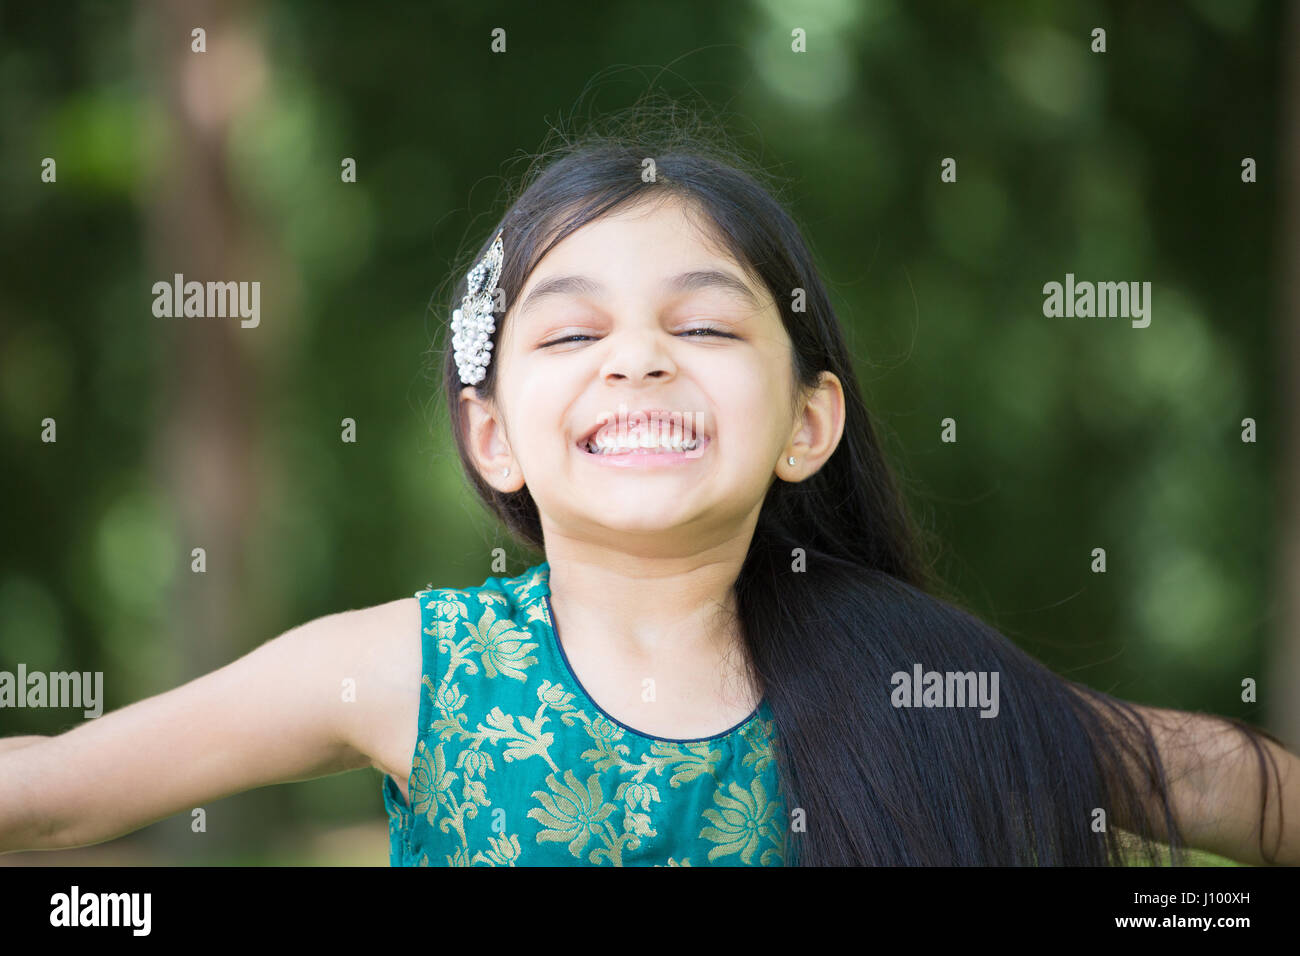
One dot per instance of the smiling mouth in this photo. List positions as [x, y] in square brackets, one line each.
[694, 445]
[642, 444]
[645, 438]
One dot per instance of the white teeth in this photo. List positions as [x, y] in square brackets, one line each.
[612, 449]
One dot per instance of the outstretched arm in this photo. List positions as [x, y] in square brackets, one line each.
[273, 715]
[1220, 786]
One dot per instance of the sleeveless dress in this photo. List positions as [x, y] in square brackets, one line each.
[515, 765]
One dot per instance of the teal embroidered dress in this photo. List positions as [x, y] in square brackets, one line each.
[515, 765]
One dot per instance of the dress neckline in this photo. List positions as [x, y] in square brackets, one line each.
[554, 637]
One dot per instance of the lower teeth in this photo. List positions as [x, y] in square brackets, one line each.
[641, 451]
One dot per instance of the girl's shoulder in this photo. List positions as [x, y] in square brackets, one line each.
[377, 673]
[384, 657]
[520, 598]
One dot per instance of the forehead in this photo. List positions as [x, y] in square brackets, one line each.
[648, 250]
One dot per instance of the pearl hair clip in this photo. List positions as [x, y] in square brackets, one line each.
[472, 324]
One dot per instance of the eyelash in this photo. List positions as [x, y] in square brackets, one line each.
[717, 332]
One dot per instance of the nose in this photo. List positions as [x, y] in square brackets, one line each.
[637, 355]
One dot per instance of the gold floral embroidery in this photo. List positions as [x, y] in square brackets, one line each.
[504, 852]
[744, 823]
[759, 737]
[578, 813]
[502, 652]
[475, 762]
[528, 741]
[459, 858]
[428, 777]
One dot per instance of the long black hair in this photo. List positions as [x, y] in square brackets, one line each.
[837, 594]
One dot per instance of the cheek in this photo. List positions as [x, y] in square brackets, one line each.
[542, 413]
[752, 410]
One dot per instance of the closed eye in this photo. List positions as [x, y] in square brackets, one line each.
[688, 332]
[718, 332]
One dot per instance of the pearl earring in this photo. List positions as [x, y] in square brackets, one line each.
[790, 460]
[505, 472]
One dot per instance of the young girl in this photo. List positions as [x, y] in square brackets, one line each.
[734, 652]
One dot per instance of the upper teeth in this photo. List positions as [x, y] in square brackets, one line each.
[611, 444]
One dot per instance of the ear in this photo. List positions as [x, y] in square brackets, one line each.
[487, 442]
[817, 432]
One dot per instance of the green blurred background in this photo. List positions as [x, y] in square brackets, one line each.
[1072, 433]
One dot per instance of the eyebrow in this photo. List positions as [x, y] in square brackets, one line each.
[686, 282]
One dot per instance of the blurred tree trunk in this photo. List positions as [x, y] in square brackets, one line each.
[202, 459]
[1281, 691]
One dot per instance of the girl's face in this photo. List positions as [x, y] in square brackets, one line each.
[662, 322]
